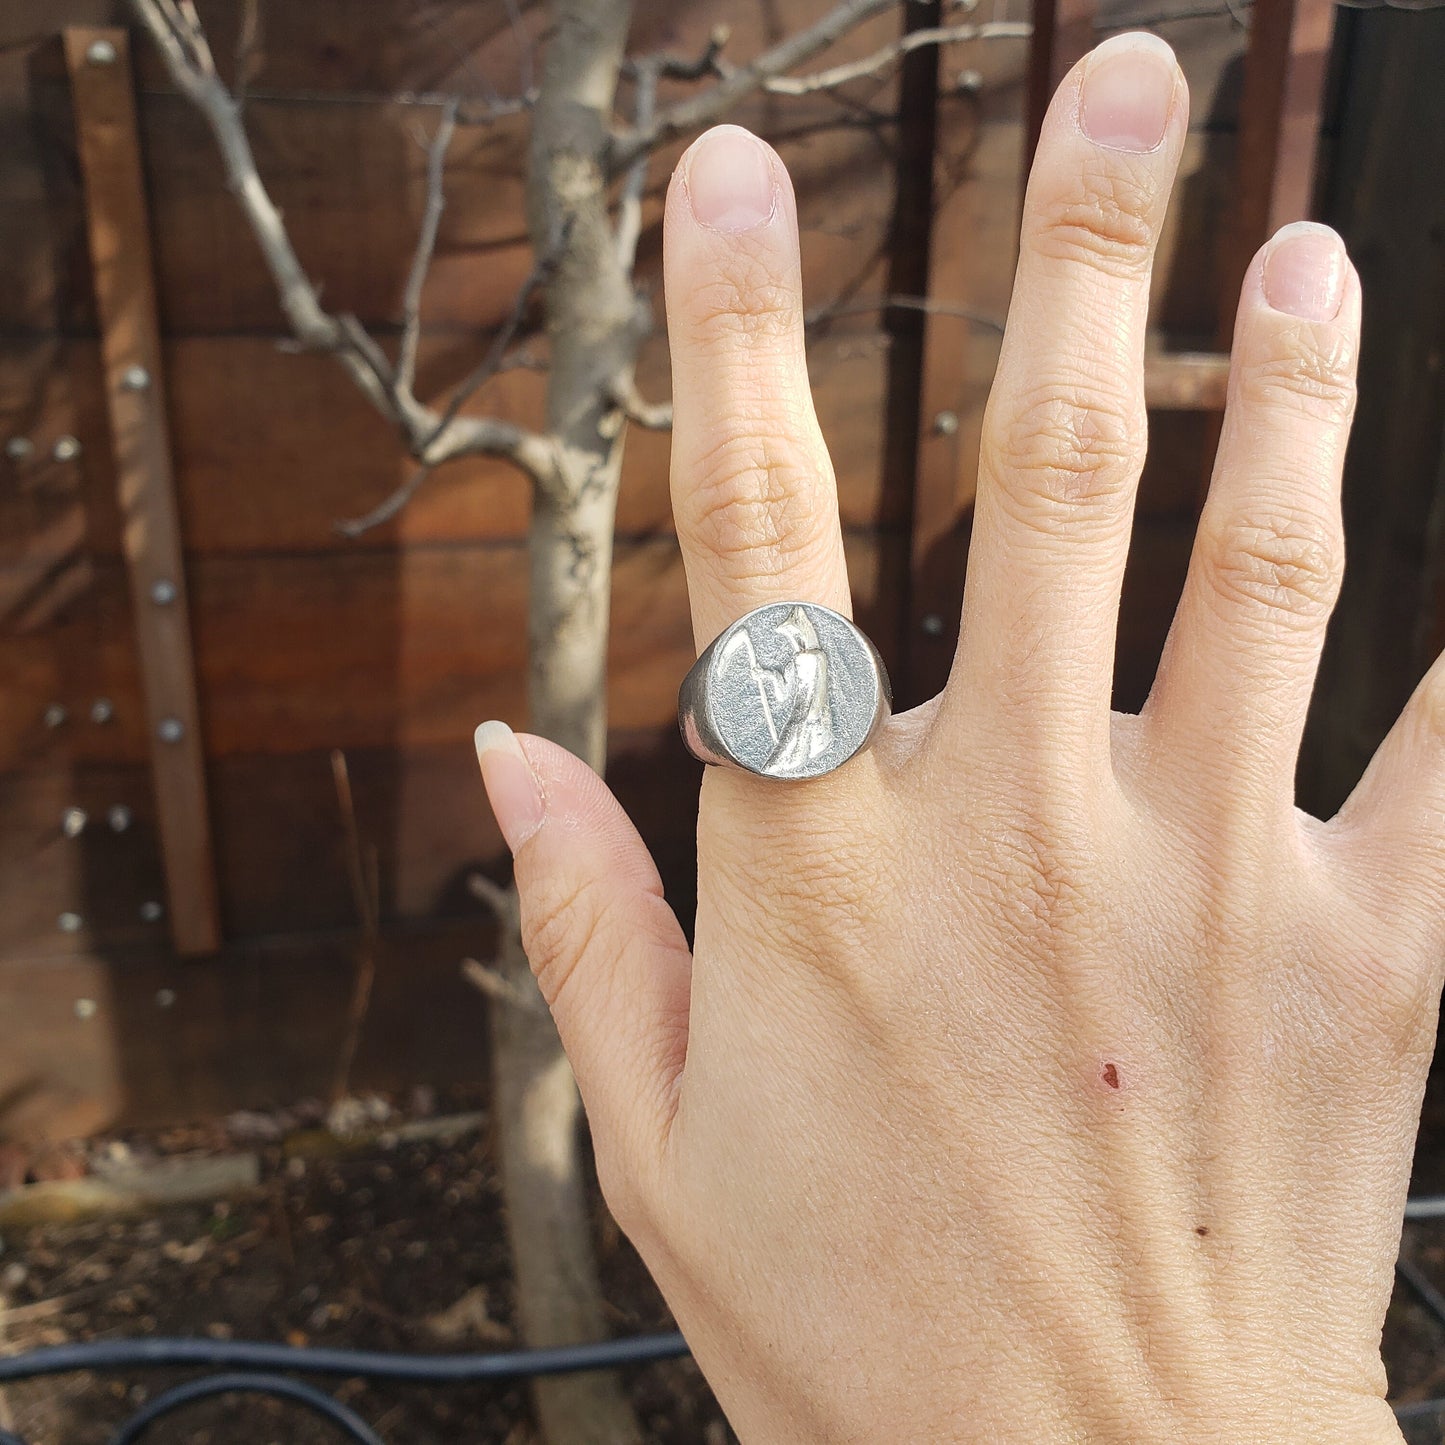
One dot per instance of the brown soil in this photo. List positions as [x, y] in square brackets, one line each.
[383, 1245]
[362, 1249]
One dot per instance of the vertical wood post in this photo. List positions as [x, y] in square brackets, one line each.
[102, 96]
[1279, 121]
[1063, 33]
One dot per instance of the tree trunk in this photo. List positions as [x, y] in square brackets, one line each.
[592, 321]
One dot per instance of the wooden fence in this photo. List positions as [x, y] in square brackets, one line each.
[179, 928]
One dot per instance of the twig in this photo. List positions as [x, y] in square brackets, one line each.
[701, 110]
[436, 157]
[865, 305]
[894, 51]
[431, 438]
[496, 985]
[491, 363]
[502, 901]
[247, 41]
[353, 527]
[629, 203]
[651, 415]
[364, 899]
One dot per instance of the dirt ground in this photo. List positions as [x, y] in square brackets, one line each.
[389, 1245]
[378, 1241]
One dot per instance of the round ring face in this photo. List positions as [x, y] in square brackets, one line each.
[793, 690]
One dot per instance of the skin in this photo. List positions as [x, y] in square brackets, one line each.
[1042, 1074]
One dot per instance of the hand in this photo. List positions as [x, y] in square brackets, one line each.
[1040, 1075]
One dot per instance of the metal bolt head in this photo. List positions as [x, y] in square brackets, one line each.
[163, 592]
[55, 714]
[102, 710]
[100, 52]
[151, 912]
[73, 821]
[66, 449]
[170, 730]
[946, 423]
[165, 998]
[119, 817]
[18, 449]
[932, 624]
[135, 378]
[70, 922]
[86, 1008]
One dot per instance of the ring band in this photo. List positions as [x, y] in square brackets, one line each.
[791, 690]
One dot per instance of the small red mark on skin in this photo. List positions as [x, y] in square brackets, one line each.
[1201, 1230]
[1109, 1076]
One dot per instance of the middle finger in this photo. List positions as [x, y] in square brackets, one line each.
[1064, 433]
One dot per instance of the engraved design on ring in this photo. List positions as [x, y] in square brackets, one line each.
[791, 690]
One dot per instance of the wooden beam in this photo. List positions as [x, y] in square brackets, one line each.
[98, 62]
[1063, 33]
[1185, 380]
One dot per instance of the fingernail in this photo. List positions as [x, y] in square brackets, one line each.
[1128, 92]
[512, 787]
[729, 179]
[1304, 272]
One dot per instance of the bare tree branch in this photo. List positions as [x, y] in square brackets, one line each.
[431, 437]
[495, 357]
[436, 158]
[894, 51]
[700, 110]
[629, 203]
[653, 415]
[384, 511]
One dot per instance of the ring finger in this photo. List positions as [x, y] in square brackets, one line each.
[752, 486]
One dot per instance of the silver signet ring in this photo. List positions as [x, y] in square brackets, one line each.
[791, 690]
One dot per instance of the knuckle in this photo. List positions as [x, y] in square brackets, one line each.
[1103, 218]
[752, 500]
[1308, 376]
[1289, 565]
[743, 303]
[1064, 445]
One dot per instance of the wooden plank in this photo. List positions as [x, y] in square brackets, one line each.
[312, 451]
[132, 1037]
[350, 176]
[1386, 201]
[1185, 380]
[99, 66]
[280, 841]
[381, 648]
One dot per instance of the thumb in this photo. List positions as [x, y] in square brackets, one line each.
[607, 951]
